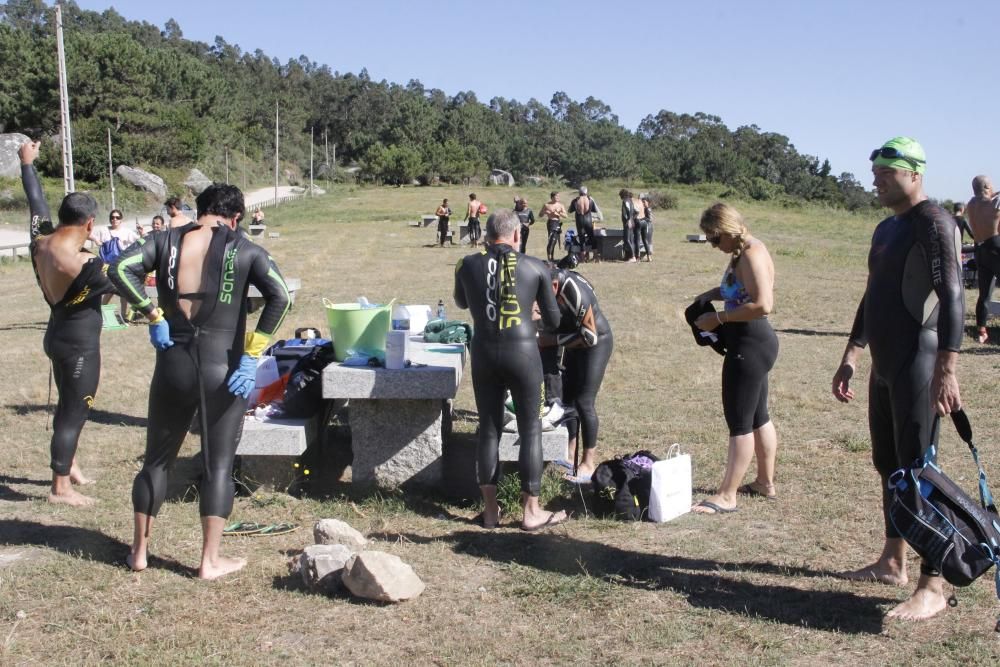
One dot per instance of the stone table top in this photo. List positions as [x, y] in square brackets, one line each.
[435, 373]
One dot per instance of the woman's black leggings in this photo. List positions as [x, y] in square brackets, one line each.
[751, 349]
[497, 367]
[174, 396]
[581, 381]
[73, 346]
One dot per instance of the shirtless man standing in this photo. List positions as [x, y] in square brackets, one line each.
[553, 213]
[983, 218]
[472, 216]
[177, 217]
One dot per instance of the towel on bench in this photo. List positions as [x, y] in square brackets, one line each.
[447, 331]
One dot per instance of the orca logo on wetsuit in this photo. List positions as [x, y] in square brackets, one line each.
[509, 308]
[171, 265]
[491, 286]
[228, 275]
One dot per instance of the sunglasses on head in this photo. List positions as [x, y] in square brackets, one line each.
[890, 153]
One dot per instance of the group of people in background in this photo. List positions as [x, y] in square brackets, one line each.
[636, 216]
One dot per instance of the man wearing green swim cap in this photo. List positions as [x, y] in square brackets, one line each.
[912, 314]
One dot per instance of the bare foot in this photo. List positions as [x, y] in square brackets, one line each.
[708, 505]
[983, 336]
[72, 498]
[135, 564]
[553, 519]
[923, 604]
[77, 477]
[876, 572]
[584, 470]
[220, 568]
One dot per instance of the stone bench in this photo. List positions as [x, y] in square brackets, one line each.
[257, 230]
[268, 449]
[428, 220]
[553, 445]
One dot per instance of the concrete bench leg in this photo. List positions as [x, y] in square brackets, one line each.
[396, 442]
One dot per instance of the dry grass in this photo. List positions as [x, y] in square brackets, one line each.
[754, 587]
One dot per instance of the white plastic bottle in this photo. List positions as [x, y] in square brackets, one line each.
[400, 317]
[440, 311]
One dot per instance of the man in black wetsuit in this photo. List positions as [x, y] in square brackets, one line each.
[204, 359]
[984, 227]
[73, 282]
[499, 286]
[527, 218]
[584, 208]
[912, 315]
[586, 336]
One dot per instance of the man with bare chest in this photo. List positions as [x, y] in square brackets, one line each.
[204, 358]
[984, 217]
[553, 213]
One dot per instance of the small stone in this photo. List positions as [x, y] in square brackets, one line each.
[335, 531]
[376, 575]
[322, 566]
[20, 615]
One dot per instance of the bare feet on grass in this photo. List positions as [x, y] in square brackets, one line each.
[543, 520]
[982, 335]
[878, 571]
[220, 567]
[70, 497]
[926, 602]
[136, 563]
[77, 477]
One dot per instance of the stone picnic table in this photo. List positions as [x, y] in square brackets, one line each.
[399, 418]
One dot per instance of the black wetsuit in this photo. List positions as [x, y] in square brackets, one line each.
[73, 336]
[475, 230]
[582, 322]
[912, 308]
[207, 349]
[554, 227]
[584, 221]
[527, 218]
[629, 231]
[499, 286]
[443, 221]
[644, 232]
[987, 256]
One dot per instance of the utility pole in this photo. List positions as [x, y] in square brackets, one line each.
[276, 152]
[312, 140]
[111, 171]
[69, 184]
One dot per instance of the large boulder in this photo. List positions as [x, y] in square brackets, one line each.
[535, 180]
[143, 180]
[335, 531]
[10, 163]
[196, 181]
[322, 567]
[376, 575]
[501, 177]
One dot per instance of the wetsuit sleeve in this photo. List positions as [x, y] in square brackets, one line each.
[531, 217]
[942, 252]
[264, 275]
[580, 302]
[546, 300]
[128, 271]
[626, 212]
[858, 337]
[460, 299]
[41, 218]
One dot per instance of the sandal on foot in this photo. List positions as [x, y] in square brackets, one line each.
[480, 520]
[243, 528]
[752, 491]
[716, 509]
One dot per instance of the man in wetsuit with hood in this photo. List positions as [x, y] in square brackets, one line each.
[204, 359]
[499, 287]
[911, 314]
[73, 281]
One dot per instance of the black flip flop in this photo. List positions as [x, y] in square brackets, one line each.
[716, 509]
[748, 490]
[549, 523]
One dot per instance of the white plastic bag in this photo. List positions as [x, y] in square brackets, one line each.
[670, 493]
[267, 374]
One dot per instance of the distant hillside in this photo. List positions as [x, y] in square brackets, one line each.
[172, 102]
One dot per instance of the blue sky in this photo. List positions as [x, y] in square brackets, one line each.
[837, 78]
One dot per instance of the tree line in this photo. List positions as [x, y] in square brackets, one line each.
[173, 102]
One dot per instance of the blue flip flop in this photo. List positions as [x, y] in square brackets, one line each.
[563, 463]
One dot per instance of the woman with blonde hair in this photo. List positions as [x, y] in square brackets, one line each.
[747, 289]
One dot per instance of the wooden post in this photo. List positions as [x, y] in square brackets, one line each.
[69, 184]
[111, 171]
[312, 140]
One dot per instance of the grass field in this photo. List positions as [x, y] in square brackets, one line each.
[756, 587]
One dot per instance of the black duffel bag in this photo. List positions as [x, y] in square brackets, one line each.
[304, 391]
[958, 536]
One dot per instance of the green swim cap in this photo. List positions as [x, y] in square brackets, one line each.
[900, 153]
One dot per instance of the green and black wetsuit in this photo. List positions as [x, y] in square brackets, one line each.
[73, 336]
[499, 287]
[207, 349]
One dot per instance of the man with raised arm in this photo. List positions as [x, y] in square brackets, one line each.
[204, 359]
[911, 315]
[984, 219]
[73, 281]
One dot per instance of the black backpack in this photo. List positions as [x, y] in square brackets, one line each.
[304, 391]
[622, 486]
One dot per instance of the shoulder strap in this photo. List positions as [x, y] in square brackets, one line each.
[964, 428]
